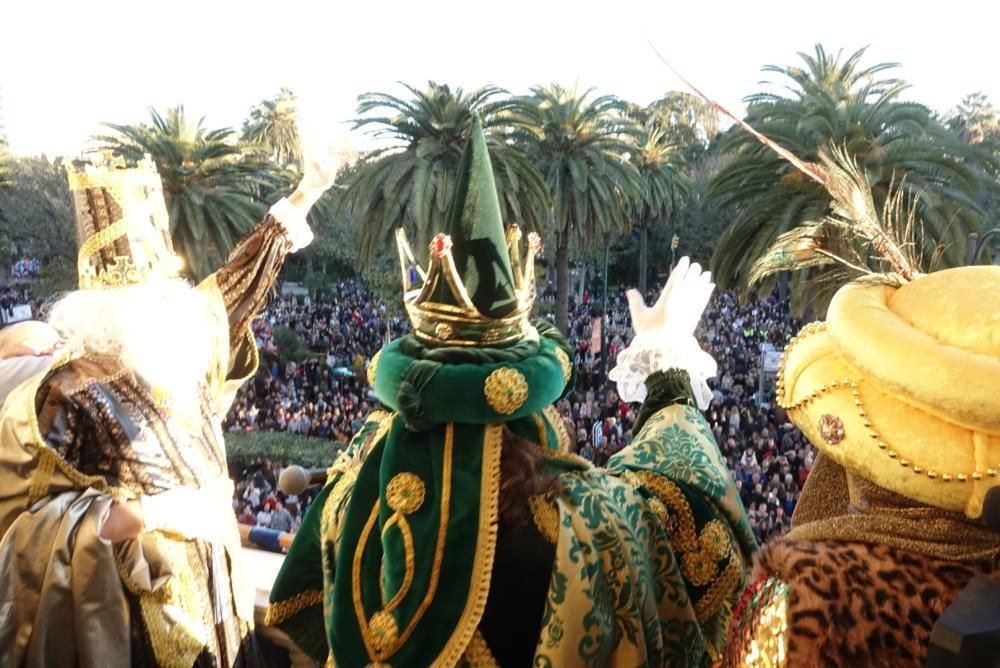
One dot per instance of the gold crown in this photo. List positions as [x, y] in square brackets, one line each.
[122, 224]
[461, 323]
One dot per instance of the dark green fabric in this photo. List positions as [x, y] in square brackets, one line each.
[664, 388]
[305, 555]
[424, 392]
[479, 246]
[383, 562]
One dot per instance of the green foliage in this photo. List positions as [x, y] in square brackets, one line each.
[289, 345]
[5, 159]
[410, 182]
[5, 163]
[662, 186]
[36, 218]
[977, 121]
[318, 283]
[832, 101]
[581, 145]
[245, 448]
[213, 185]
[273, 126]
[59, 274]
[688, 122]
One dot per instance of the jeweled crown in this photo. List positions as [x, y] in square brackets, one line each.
[461, 323]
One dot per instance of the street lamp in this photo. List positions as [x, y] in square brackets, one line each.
[976, 246]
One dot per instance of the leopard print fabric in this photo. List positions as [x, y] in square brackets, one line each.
[854, 604]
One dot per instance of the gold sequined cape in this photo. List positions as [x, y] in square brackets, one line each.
[87, 431]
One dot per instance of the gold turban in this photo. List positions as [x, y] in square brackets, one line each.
[901, 385]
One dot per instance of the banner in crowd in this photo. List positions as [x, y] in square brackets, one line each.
[595, 337]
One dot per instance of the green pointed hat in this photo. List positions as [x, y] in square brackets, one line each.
[475, 291]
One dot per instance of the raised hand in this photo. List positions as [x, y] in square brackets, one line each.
[664, 335]
[678, 309]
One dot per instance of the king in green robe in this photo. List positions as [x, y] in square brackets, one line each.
[458, 527]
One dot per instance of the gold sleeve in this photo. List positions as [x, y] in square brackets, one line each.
[245, 281]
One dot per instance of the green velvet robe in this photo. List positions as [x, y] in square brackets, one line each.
[641, 561]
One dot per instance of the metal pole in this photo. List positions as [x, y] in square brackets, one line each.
[604, 315]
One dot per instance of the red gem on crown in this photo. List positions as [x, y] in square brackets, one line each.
[440, 244]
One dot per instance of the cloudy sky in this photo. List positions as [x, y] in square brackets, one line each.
[67, 67]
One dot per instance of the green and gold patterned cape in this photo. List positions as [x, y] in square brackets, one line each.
[392, 564]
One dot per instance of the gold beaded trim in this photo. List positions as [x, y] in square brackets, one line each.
[478, 654]
[567, 366]
[281, 610]
[873, 434]
[546, 517]
[373, 368]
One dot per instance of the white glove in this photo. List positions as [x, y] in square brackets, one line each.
[319, 174]
[664, 336]
[192, 512]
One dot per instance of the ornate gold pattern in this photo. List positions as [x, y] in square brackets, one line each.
[558, 425]
[567, 366]
[683, 534]
[506, 390]
[721, 589]
[405, 493]
[445, 512]
[138, 193]
[478, 654]
[444, 331]
[854, 388]
[831, 428]
[546, 517]
[486, 542]
[464, 325]
[383, 629]
[699, 553]
[177, 640]
[373, 368]
[279, 611]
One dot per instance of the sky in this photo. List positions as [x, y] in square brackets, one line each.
[66, 67]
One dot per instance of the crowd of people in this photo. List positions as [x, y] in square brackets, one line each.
[26, 268]
[325, 394]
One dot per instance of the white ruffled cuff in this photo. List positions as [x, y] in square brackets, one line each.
[294, 222]
[649, 353]
[190, 512]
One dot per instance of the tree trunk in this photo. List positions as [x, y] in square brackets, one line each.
[643, 258]
[562, 283]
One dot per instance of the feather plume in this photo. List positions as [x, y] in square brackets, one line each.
[854, 236]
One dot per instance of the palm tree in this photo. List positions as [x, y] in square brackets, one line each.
[208, 184]
[409, 182]
[582, 145]
[5, 163]
[273, 125]
[661, 187]
[833, 102]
